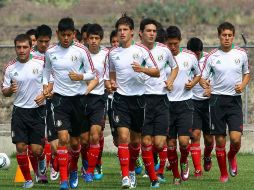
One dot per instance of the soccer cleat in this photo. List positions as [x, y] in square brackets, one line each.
[73, 179]
[133, 181]
[53, 174]
[98, 174]
[42, 179]
[207, 163]
[126, 182]
[88, 177]
[155, 184]
[28, 184]
[176, 181]
[232, 165]
[198, 173]
[64, 185]
[42, 167]
[139, 164]
[161, 178]
[84, 167]
[185, 171]
[223, 179]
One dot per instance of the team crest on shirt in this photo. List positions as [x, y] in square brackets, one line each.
[59, 123]
[218, 62]
[185, 64]
[15, 74]
[160, 58]
[116, 58]
[35, 71]
[237, 61]
[135, 56]
[74, 58]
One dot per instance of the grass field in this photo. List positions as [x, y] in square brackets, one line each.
[111, 180]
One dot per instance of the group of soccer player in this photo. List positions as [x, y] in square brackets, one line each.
[157, 94]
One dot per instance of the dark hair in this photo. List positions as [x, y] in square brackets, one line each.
[31, 32]
[195, 44]
[43, 30]
[78, 35]
[85, 27]
[125, 20]
[23, 38]
[112, 34]
[95, 29]
[225, 26]
[161, 36]
[147, 21]
[66, 24]
[174, 32]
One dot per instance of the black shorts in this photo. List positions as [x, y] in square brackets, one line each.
[181, 118]
[128, 111]
[68, 113]
[94, 113]
[156, 115]
[225, 111]
[50, 125]
[201, 115]
[111, 121]
[28, 125]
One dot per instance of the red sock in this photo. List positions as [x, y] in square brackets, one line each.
[47, 151]
[196, 156]
[134, 153]
[93, 153]
[147, 155]
[233, 151]
[101, 149]
[33, 160]
[221, 158]
[23, 163]
[62, 157]
[163, 159]
[184, 154]
[54, 162]
[73, 158]
[208, 150]
[83, 151]
[123, 155]
[173, 160]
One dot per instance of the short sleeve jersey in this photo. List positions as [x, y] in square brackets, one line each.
[29, 80]
[188, 67]
[226, 70]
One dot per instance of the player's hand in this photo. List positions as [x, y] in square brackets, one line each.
[189, 85]
[239, 88]
[40, 99]
[205, 83]
[207, 92]
[169, 85]
[14, 87]
[74, 76]
[137, 67]
[46, 92]
[113, 85]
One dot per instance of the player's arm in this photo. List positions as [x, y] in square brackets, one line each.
[206, 73]
[239, 88]
[197, 75]
[174, 70]
[8, 86]
[46, 75]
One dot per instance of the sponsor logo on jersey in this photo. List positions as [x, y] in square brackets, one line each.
[237, 61]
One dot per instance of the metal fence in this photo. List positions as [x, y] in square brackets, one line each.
[7, 53]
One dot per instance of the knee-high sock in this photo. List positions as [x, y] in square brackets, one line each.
[184, 154]
[124, 155]
[33, 160]
[221, 158]
[93, 153]
[23, 163]
[173, 160]
[99, 162]
[62, 158]
[147, 155]
[163, 159]
[73, 158]
[134, 153]
[196, 156]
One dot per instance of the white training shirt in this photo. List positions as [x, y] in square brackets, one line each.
[99, 65]
[163, 58]
[226, 70]
[129, 82]
[29, 80]
[197, 90]
[188, 67]
[61, 61]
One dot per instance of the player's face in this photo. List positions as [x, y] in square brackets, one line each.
[66, 37]
[114, 41]
[174, 45]
[33, 40]
[226, 38]
[124, 34]
[23, 49]
[43, 43]
[149, 34]
[93, 42]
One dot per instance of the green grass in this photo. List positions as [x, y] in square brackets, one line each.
[112, 176]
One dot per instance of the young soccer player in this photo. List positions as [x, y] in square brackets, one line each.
[127, 77]
[70, 62]
[155, 128]
[23, 80]
[201, 115]
[181, 106]
[230, 75]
